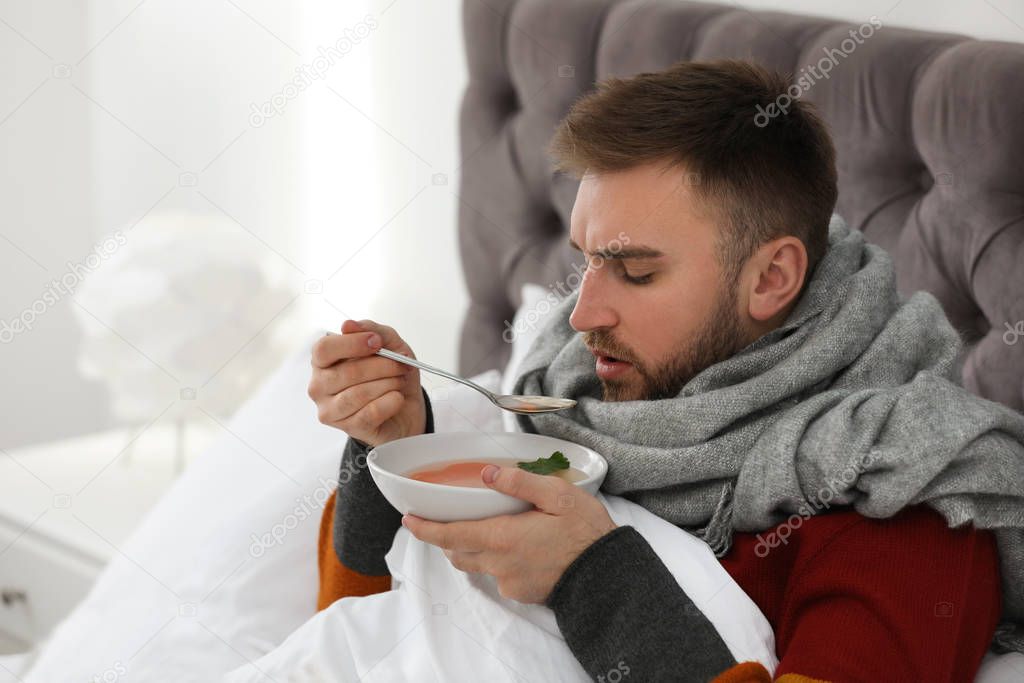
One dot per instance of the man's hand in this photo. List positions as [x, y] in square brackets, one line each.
[527, 553]
[371, 398]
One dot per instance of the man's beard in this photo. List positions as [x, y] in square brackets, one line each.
[721, 336]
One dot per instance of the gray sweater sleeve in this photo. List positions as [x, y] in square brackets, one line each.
[365, 523]
[620, 609]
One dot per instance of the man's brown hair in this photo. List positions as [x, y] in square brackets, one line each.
[761, 176]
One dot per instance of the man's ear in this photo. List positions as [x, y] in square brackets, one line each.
[779, 268]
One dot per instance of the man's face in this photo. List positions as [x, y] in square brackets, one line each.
[664, 312]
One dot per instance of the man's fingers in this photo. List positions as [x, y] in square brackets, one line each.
[371, 416]
[461, 536]
[339, 377]
[351, 326]
[331, 348]
[350, 401]
[543, 490]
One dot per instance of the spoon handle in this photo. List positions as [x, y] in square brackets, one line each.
[430, 368]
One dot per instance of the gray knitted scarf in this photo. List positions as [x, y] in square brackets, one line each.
[854, 401]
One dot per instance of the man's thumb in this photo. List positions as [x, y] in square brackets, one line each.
[518, 483]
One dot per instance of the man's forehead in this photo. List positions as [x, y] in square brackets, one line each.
[638, 207]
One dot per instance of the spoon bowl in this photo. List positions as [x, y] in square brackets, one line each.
[532, 404]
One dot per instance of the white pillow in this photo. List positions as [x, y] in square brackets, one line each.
[224, 566]
[530, 318]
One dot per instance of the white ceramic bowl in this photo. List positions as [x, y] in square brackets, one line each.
[390, 462]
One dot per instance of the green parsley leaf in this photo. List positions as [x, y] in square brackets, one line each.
[550, 465]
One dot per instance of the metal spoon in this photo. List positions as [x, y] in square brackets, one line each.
[514, 403]
[511, 402]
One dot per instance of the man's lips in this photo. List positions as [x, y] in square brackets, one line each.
[608, 367]
[600, 353]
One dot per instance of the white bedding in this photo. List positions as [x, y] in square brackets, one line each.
[439, 624]
[235, 608]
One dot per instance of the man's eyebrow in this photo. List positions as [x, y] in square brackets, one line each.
[638, 251]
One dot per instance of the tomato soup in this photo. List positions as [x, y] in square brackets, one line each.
[467, 472]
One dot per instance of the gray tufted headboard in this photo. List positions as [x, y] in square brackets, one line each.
[929, 130]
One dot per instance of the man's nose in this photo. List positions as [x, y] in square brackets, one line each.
[591, 310]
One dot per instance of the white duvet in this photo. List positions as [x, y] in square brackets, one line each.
[441, 624]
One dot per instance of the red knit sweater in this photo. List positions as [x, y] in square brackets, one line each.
[858, 599]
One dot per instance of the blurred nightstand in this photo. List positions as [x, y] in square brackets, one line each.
[65, 508]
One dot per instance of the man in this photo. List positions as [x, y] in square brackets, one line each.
[732, 357]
